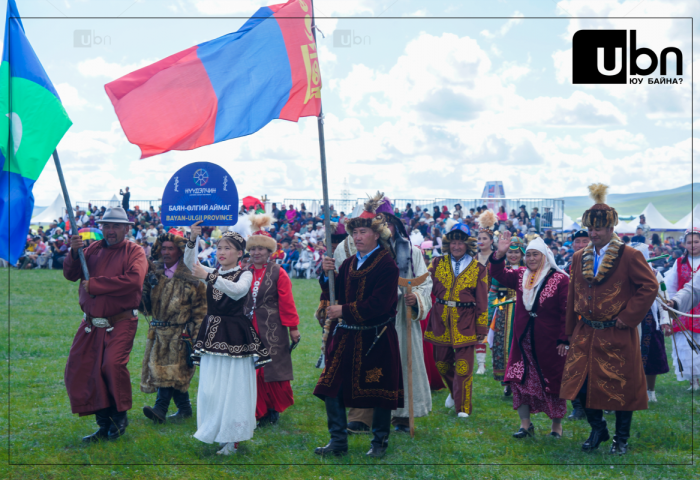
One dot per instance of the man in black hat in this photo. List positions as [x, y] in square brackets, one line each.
[96, 375]
[459, 213]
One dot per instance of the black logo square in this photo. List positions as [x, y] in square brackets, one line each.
[599, 56]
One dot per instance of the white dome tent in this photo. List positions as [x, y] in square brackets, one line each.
[656, 221]
[689, 221]
[51, 213]
[624, 228]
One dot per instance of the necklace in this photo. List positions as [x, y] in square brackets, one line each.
[257, 279]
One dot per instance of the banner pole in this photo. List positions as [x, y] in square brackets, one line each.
[73, 225]
[324, 178]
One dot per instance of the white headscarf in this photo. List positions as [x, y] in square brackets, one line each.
[533, 280]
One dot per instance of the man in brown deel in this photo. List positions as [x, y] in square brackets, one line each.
[96, 376]
[610, 291]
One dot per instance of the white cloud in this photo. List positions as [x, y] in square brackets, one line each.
[616, 139]
[505, 28]
[70, 97]
[418, 13]
[99, 67]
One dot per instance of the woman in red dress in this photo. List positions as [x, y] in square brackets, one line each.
[271, 307]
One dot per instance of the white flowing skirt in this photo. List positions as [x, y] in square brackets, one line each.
[690, 361]
[226, 399]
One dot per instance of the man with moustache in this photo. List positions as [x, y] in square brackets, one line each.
[96, 375]
[176, 302]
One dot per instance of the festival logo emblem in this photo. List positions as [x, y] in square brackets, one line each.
[201, 177]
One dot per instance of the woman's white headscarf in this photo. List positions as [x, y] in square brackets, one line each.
[533, 280]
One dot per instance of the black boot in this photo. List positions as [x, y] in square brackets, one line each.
[623, 422]
[381, 426]
[118, 424]
[599, 430]
[102, 420]
[274, 416]
[158, 412]
[578, 413]
[184, 407]
[337, 427]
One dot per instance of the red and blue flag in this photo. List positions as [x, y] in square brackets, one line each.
[228, 87]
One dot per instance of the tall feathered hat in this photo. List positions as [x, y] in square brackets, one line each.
[371, 218]
[259, 237]
[600, 214]
[487, 220]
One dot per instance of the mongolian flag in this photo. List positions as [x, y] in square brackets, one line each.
[33, 122]
[225, 88]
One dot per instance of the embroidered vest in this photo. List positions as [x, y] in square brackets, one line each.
[221, 305]
[685, 275]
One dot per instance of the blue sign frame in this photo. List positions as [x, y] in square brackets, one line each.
[200, 191]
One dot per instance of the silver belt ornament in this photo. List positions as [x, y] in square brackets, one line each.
[102, 322]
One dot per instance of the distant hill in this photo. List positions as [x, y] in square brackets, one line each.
[673, 204]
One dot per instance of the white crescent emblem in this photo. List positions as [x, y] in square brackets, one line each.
[16, 124]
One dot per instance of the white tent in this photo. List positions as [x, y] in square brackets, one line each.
[114, 202]
[624, 228]
[656, 221]
[51, 213]
[689, 221]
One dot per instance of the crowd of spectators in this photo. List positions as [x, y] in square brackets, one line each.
[300, 234]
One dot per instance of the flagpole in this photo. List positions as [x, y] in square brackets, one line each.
[324, 177]
[73, 226]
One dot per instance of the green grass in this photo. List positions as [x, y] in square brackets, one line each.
[44, 434]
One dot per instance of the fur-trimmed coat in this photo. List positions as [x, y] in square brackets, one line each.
[178, 300]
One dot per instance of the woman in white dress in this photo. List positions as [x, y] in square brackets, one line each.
[227, 348]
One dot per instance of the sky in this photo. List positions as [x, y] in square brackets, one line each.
[420, 104]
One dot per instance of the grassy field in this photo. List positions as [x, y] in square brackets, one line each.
[44, 437]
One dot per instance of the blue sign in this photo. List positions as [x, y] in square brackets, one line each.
[200, 191]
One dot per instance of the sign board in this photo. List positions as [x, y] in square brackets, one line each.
[200, 191]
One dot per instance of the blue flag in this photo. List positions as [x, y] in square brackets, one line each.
[33, 122]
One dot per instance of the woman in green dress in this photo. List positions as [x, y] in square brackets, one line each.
[501, 333]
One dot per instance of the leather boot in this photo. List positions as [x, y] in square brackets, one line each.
[184, 407]
[599, 430]
[102, 420]
[623, 422]
[158, 412]
[118, 424]
[337, 427]
[578, 413]
[381, 426]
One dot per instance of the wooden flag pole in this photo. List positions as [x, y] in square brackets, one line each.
[324, 180]
[73, 226]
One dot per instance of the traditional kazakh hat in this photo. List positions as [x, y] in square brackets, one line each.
[372, 217]
[600, 214]
[259, 237]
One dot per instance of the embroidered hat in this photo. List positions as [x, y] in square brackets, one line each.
[516, 243]
[694, 230]
[236, 238]
[600, 214]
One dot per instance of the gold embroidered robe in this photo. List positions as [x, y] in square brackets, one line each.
[458, 326]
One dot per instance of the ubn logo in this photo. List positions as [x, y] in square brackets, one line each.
[600, 56]
[87, 38]
[347, 38]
